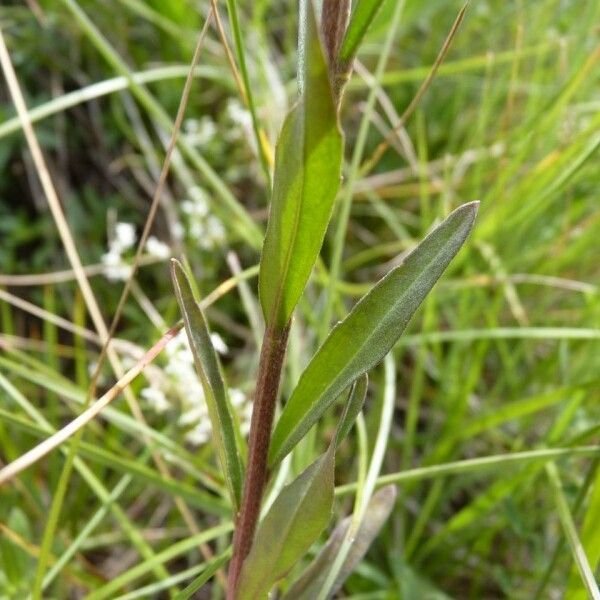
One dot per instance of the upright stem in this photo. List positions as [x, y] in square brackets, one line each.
[265, 397]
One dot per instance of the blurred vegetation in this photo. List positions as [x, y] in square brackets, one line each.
[504, 356]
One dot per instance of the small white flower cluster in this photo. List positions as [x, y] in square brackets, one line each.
[121, 244]
[156, 398]
[182, 382]
[122, 241]
[200, 131]
[204, 229]
[156, 248]
[238, 114]
[241, 118]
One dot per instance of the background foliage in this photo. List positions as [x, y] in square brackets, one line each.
[502, 358]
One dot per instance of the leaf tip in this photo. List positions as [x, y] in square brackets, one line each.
[468, 212]
[389, 493]
[175, 266]
[472, 206]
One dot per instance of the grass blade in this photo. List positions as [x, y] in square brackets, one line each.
[307, 177]
[261, 141]
[168, 554]
[133, 467]
[370, 330]
[589, 539]
[209, 371]
[494, 463]
[30, 457]
[366, 486]
[566, 519]
[204, 577]
[91, 480]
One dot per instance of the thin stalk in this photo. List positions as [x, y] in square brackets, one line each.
[474, 465]
[566, 518]
[106, 87]
[267, 386]
[353, 172]
[264, 154]
[383, 146]
[52, 523]
[30, 457]
[66, 556]
[460, 66]
[558, 550]
[88, 476]
[367, 486]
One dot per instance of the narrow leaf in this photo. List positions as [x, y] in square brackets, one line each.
[215, 392]
[356, 401]
[370, 330]
[211, 568]
[310, 583]
[306, 180]
[589, 541]
[362, 16]
[580, 558]
[297, 517]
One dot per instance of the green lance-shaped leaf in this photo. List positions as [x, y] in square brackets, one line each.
[215, 392]
[311, 582]
[355, 403]
[298, 516]
[308, 161]
[360, 20]
[370, 330]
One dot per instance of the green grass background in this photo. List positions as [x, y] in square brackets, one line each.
[503, 357]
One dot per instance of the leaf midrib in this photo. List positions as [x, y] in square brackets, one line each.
[300, 204]
[227, 449]
[369, 336]
[292, 521]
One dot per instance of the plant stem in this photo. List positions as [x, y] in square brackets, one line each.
[267, 386]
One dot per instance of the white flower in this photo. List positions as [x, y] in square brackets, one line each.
[242, 121]
[91, 368]
[245, 417]
[204, 229]
[215, 228]
[191, 125]
[158, 249]
[206, 130]
[237, 397]
[156, 398]
[178, 231]
[187, 206]
[200, 201]
[123, 240]
[198, 231]
[200, 131]
[193, 415]
[199, 434]
[208, 233]
[181, 381]
[124, 236]
[218, 343]
[116, 268]
[238, 114]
